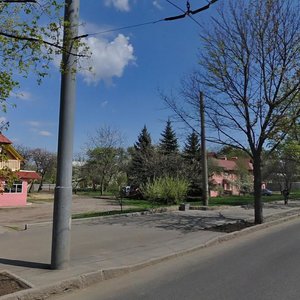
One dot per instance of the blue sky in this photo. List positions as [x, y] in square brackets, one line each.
[129, 67]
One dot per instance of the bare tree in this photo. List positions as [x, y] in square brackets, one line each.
[249, 70]
[44, 162]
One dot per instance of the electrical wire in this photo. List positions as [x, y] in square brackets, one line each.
[188, 13]
[170, 2]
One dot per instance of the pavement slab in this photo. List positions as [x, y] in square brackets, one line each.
[106, 247]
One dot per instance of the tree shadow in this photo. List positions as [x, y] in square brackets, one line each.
[180, 222]
[23, 263]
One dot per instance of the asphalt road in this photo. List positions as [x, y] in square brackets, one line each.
[263, 265]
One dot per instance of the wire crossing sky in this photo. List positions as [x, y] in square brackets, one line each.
[187, 13]
[118, 85]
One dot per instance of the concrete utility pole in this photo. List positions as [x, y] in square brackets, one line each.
[61, 234]
[205, 192]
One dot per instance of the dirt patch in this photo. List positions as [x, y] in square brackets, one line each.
[231, 227]
[9, 284]
[41, 209]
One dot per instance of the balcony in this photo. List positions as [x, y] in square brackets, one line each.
[13, 164]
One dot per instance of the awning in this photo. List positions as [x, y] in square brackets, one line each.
[28, 175]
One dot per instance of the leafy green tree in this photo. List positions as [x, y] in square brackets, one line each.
[167, 190]
[101, 165]
[283, 167]
[249, 69]
[29, 38]
[168, 142]
[105, 157]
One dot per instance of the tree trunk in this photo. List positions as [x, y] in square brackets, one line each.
[41, 184]
[258, 212]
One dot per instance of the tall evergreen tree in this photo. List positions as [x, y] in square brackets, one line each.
[192, 157]
[192, 147]
[140, 170]
[144, 142]
[168, 142]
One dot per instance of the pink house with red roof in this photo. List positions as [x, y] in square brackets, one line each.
[10, 159]
[226, 180]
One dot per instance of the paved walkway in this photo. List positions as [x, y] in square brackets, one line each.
[108, 246]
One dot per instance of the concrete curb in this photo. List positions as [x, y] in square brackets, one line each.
[88, 279]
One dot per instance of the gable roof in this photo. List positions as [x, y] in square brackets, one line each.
[231, 164]
[4, 139]
[7, 146]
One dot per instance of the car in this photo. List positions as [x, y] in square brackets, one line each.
[266, 192]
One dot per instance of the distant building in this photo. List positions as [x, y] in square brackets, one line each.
[15, 194]
[227, 180]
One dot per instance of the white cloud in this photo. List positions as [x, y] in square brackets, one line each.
[34, 123]
[157, 4]
[45, 133]
[104, 103]
[108, 58]
[22, 95]
[110, 55]
[122, 5]
[3, 119]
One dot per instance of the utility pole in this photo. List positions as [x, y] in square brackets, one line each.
[61, 233]
[205, 192]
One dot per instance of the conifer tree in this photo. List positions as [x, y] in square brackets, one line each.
[192, 157]
[140, 170]
[144, 142]
[192, 147]
[168, 142]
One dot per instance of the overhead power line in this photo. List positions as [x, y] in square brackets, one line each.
[188, 12]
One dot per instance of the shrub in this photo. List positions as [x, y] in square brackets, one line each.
[166, 189]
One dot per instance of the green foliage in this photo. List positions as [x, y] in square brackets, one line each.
[9, 176]
[192, 158]
[283, 166]
[168, 142]
[232, 152]
[140, 169]
[192, 147]
[166, 189]
[30, 37]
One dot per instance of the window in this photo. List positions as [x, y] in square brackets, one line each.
[16, 187]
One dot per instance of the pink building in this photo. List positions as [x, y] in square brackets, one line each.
[10, 160]
[226, 180]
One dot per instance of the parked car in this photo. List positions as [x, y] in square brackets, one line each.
[266, 192]
[132, 192]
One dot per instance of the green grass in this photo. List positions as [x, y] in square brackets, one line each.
[245, 200]
[142, 204]
[91, 193]
[105, 213]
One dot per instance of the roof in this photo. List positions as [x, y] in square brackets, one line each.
[4, 139]
[231, 165]
[22, 174]
[228, 165]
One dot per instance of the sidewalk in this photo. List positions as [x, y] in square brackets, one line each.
[107, 247]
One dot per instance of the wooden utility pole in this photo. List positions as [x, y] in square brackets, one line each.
[205, 192]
